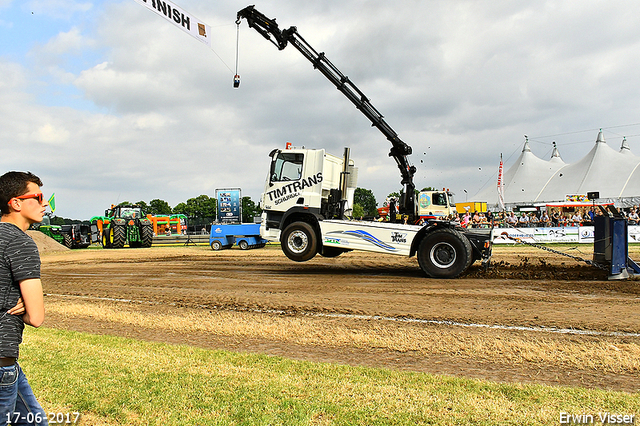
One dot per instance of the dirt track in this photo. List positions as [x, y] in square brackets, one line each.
[526, 287]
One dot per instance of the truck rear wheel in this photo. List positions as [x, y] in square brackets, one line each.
[216, 245]
[299, 242]
[444, 253]
[243, 244]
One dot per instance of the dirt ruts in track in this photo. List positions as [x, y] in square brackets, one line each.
[522, 288]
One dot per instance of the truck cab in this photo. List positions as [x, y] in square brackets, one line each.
[435, 204]
[308, 185]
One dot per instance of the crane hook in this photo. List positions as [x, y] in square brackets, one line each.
[236, 78]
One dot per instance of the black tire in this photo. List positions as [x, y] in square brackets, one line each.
[299, 242]
[243, 244]
[146, 235]
[68, 242]
[444, 253]
[118, 236]
[106, 242]
[328, 251]
[216, 245]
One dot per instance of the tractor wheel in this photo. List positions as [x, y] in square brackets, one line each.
[299, 242]
[68, 242]
[243, 244]
[106, 240]
[216, 245]
[118, 236]
[146, 234]
[444, 253]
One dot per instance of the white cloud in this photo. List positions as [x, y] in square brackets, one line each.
[72, 41]
[461, 82]
[50, 134]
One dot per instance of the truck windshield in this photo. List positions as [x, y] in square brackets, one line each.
[287, 166]
[439, 199]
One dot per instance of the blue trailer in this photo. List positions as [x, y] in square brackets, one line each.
[245, 235]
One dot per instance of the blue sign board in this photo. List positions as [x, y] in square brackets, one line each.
[229, 205]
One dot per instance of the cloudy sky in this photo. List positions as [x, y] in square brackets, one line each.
[107, 102]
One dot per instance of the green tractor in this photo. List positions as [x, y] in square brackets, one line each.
[71, 236]
[120, 225]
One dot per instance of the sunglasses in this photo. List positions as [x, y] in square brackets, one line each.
[37, 196]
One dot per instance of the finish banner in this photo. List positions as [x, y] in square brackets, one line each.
[180, 18]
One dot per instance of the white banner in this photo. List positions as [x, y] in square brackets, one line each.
[569, 234]
[180, 18]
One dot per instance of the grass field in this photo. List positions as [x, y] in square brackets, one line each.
[112, 381]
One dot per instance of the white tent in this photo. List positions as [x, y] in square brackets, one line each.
[615, 175]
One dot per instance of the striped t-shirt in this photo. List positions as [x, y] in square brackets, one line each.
[19, 260]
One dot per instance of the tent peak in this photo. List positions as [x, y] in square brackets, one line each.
[600, 138]
[555, 153]
[625, 146]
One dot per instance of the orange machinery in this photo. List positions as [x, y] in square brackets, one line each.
[177, 223]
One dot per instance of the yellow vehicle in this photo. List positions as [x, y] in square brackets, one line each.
[472, 206]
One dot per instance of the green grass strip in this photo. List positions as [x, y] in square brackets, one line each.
[114, 380]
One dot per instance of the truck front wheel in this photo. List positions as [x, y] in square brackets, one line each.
[444, 253]
[299, 242]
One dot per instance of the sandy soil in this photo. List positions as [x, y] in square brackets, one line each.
[525, 287]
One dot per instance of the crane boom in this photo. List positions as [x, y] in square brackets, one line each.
[268, 28]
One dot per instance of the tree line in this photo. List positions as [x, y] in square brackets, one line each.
[199, 210]
[203, 209]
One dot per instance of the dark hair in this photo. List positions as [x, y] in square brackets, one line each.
[14, 184]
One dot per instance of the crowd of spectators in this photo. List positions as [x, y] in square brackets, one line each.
[633, 215]
[554, 218]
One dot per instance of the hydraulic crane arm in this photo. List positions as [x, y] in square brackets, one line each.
[399, 150]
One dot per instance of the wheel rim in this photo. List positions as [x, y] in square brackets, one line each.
[298, 242]
[443, 255]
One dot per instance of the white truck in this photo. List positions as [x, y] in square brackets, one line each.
[308, 195]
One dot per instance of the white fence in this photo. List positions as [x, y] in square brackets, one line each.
[569, 234]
